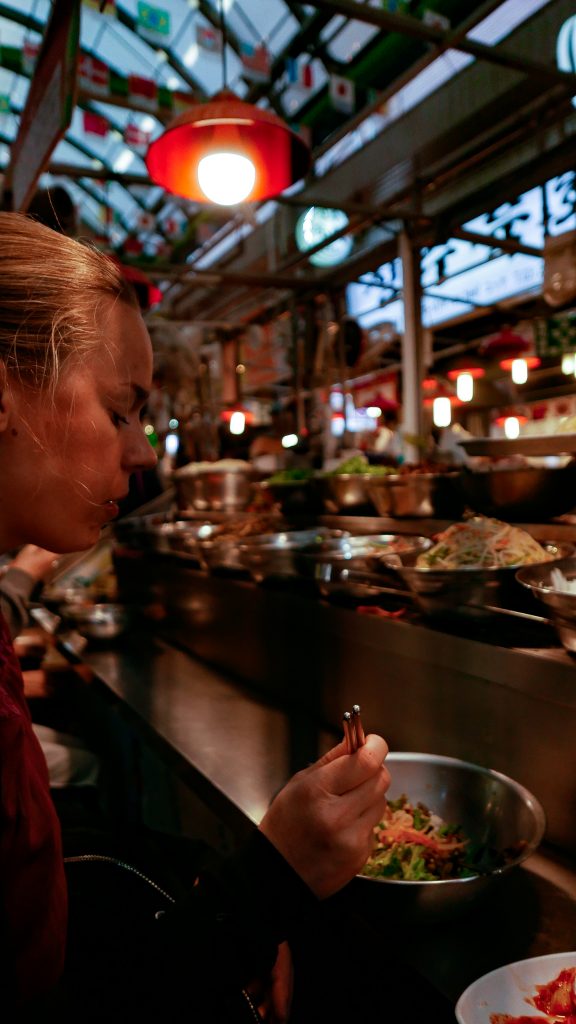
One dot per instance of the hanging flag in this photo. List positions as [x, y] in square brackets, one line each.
[153, 23]
[299, 74]
[93, 75]
[94, 123]
[144, 90]
[4, 104]
[102, 6]
[132, 246]
[181, 102]
[172, 227]
[209, 38]
[435, 20]
[146, 221]
[137, 139]
[342, 94]
[255, 62]
[30, 53]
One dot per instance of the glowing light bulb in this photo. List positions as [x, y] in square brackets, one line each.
[519, 371]
[511, 427]
[442, 412]
[289, 440]
[465, 387]
[237, 422]
[568, 366]
[226, 178]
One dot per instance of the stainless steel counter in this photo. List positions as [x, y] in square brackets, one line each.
[234, 748]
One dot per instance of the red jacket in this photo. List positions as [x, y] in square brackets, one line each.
[33, 899]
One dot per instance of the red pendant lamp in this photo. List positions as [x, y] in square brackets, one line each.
[227, 151]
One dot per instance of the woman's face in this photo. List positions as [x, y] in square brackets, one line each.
[65, 461]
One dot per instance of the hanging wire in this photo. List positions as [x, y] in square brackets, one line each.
[223, 30]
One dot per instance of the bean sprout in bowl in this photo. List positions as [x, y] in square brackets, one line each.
[501, 821]
[555, 585]
[472, 568]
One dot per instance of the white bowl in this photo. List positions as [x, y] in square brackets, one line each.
[508, 989]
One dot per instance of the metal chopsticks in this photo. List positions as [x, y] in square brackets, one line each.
[354, 735]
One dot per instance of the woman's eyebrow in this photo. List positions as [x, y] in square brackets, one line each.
[141, 395]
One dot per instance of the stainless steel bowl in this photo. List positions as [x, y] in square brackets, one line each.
[217, 490]
[417, 495]
[521, 494]
[492, 809]
[281, 554]
[343, 492]
[561, 606]
[466, 592]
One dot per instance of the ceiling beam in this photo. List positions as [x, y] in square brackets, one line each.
[416, 29]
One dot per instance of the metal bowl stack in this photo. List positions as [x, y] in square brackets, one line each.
[418, 495]
[492, 809]
[345, 492]
[224, 486]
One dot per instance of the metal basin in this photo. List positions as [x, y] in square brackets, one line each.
[281, 554]
[521, 494]
[417, 495]
[344, 492]
[492, 809]
[217, 490]
[561, 606]
[465, 592]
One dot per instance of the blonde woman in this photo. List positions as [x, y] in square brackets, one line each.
[75, 373]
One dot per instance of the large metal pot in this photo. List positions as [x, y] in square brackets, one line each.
[214, 488]
[417, 495]
[522, 493]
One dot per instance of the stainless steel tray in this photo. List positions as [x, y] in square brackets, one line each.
[545, 444]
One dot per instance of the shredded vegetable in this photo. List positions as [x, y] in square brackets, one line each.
[412, 844]
[482, 543]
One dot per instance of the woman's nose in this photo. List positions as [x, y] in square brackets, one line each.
[139, 453]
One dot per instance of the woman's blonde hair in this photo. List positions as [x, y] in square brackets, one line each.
[52, 290]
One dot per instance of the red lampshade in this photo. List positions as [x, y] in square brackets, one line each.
[227, 125]
[531, 362]
[504, 344]
[474, 371]
[429, 383]
[226, 414]
[501, 420]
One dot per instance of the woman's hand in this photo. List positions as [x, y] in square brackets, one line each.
[322, 821]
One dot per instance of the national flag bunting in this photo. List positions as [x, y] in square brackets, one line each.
[144, 90]
[435, 20]
[136, 138]
[299, 74]
[255, 62]
[342, 94]
[93, 75]
[102, 6]
[153, 22]
[95, 124]
[146, 221]
[209, 38]
[30, 53]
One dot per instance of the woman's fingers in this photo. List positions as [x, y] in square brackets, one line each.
[343, 773]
